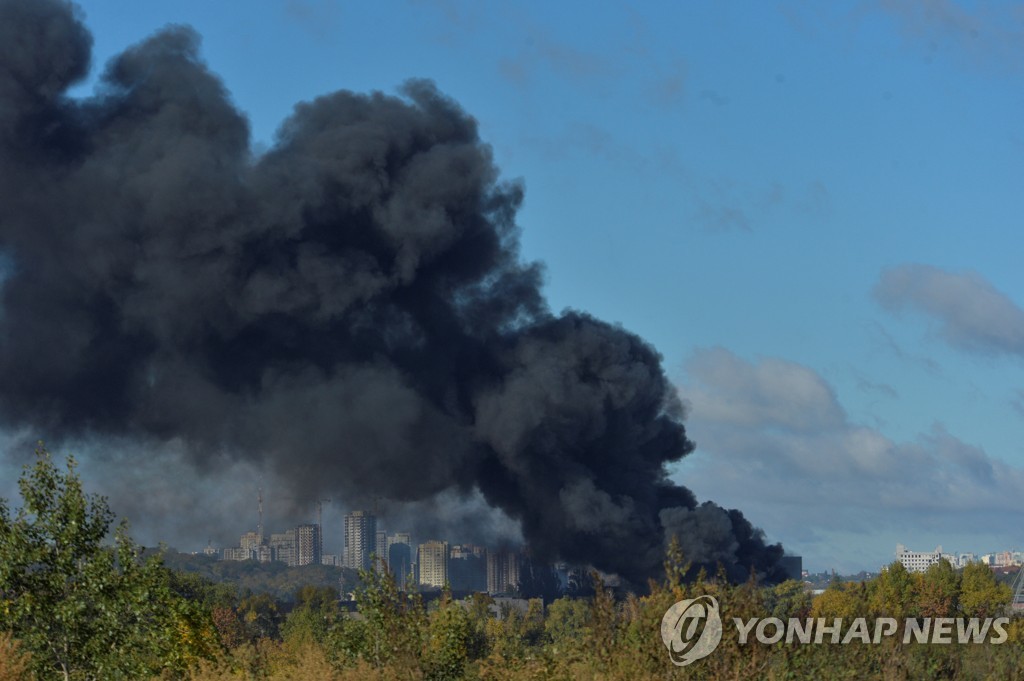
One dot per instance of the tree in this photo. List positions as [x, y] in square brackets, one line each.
[980, 594]
[260, 615]
[788, 599]
[893, 592]
[840, 599]
[448, 641]
[315, 613]
[81, 608]
[937, 590]
[567, 621]
[392, 628]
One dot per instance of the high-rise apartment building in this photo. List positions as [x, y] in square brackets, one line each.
[360, 539]
[380, 549]
[307, 539]
[433, 563]
[251, 541]
[285, 547]
[400, 562]
[502, 571]
[398, 538]
[467, 568]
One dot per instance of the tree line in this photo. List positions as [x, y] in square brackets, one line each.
[75, 606]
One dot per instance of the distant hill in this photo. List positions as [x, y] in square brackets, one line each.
[274, 578]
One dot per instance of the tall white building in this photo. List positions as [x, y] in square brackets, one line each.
[917, 561]
[433, 563]
[360, 539]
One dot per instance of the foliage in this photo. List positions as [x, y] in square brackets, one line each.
[275, 578]
[937, 590]
[72, 606]
[788, 599]
[15, 663]
[448, 641]
[981, 595]
[314, 616]
[892, 593]
[84, 609]
[566, 622]
[391, 627]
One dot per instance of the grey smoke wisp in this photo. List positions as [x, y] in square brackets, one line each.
[350, 307]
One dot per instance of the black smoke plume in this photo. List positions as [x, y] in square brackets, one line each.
[350, 306]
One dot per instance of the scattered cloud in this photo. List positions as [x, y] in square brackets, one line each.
[541, 51]
[723, 204]
[973, 315]
[772, 435]
[885, 343]
[1017, 402]
[669, 90]
[319, 17]
[883, 389]
[773, 392]
[984, 34]
[983, 31]
[714, 97]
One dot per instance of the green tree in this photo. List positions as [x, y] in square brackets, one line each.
[448, 638]
[567, 621]
[937, 590]
[981, 595]
[313, 617]
[81, 608]
[840, 599]
[788, 599]
[260, 615]
[391, 630]
[893, 592]
[479, 612]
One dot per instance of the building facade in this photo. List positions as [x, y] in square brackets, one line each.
[307, 539]
[502, 572]
[917, 561]
[360, 539]
[380, 549]
[433, 563]
[285, 547]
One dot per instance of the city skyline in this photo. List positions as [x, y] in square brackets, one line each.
[500, 568]
[817, 239]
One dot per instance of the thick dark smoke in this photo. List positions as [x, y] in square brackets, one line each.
[350, 306]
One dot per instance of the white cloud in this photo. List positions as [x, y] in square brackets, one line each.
[974, 315]
[773, 392]
[773, 440]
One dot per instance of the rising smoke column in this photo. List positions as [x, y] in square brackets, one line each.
[350, 306]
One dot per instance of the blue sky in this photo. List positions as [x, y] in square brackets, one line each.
[810, 209]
